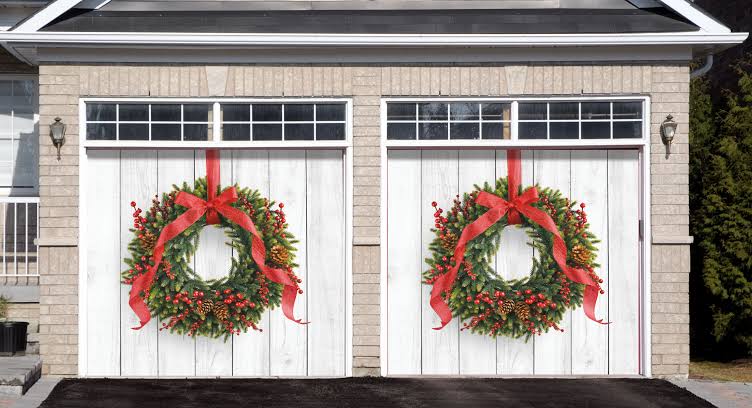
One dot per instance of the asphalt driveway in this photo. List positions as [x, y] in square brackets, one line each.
[372, 392]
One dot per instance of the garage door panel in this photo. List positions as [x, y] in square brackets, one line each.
[553, 351]
[624, 279]
[177, 354]
[104, 261]
[439, 175]
[287, 178]
[404, 311]
[316, 216]
[326, 283]
[477, 353]
[250, 168]
[514, 261]
[590, 186]
[138, 182]
[597, 178]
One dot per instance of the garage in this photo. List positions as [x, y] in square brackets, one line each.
[590, 150]
[293, 152]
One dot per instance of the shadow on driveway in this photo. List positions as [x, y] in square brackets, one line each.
[371, 392]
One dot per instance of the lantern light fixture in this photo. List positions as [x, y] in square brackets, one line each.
[668, 131]
[57, 134]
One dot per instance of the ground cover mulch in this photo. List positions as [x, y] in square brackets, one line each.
[371, 392]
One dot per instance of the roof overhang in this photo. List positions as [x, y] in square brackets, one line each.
[26, 38]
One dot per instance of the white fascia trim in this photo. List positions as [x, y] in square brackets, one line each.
[370, 40]
[46, 16]
[691, 13]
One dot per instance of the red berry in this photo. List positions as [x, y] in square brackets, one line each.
[281, 205]
[582, 205]
[528, 291]
[434, 204]
[133, 203]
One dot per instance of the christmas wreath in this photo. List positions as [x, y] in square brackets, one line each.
[468, 237]
[166, 237]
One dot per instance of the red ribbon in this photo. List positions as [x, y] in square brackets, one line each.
[498, 207]
[212, 207]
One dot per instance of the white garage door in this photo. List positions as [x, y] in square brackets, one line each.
[311, 184]
[607, 180]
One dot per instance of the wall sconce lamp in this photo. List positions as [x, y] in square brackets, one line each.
[668, 131]
[57, 134]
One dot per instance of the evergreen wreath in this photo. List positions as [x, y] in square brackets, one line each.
[218, 307]
[490, 305]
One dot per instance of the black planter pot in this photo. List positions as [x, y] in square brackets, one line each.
[8, 340]
[21, 330]
[13, 338]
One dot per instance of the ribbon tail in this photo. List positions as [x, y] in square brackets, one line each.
[288, 304]
[144, 282]
[588, 304]
[212, 180]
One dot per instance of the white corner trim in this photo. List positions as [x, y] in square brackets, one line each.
[46, 15]
[369, 40]
[691, 13]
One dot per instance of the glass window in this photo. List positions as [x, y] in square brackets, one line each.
[19, 141]
[298, 113]
[532, 111]
[442, 121]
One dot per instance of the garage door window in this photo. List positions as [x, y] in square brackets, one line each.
[523, 119]
[215, 121]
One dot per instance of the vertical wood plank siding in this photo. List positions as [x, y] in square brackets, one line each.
[62, 85]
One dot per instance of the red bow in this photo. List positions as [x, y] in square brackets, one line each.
[212, 207]
[498, 208]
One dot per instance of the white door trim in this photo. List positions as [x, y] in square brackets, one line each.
[642, 145]
[346, 147]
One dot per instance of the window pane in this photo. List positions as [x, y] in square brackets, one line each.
[134, 132]
[532, 130]
[100, 111]
[6, 150]
[23, 92]
[433, 131]
[561, 110]
[100, 131]
[167, 113]
[330, 112]
[236, 112]
[465, 131]
[26, 169]
[236, 132]
[532, 111]
[432, 111]
[565, 130]
[165, 132]
[400, 111]
[267, 113]
[627, 110]
[497, 131]
[267, 132]
[330, 131]
[197, 112]
[133, 113]
[400, 131]
[596, 110]
[23, 122]
[196, 132]
[627, 130]
[298, 132]
[299, 112]
[596, 130]
[496, 111]
[464, 111]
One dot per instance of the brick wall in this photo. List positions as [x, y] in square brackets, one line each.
[62, 85]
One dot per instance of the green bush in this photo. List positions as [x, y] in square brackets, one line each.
[721, 220]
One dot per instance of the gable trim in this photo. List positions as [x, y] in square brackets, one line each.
[701, 19]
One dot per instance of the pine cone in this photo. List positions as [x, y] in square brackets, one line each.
[148, 241]
[522, 310]
[279, 255]
[449, 241]
[221, 311]
[580, 254]
[205, 307]
[507, 307]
